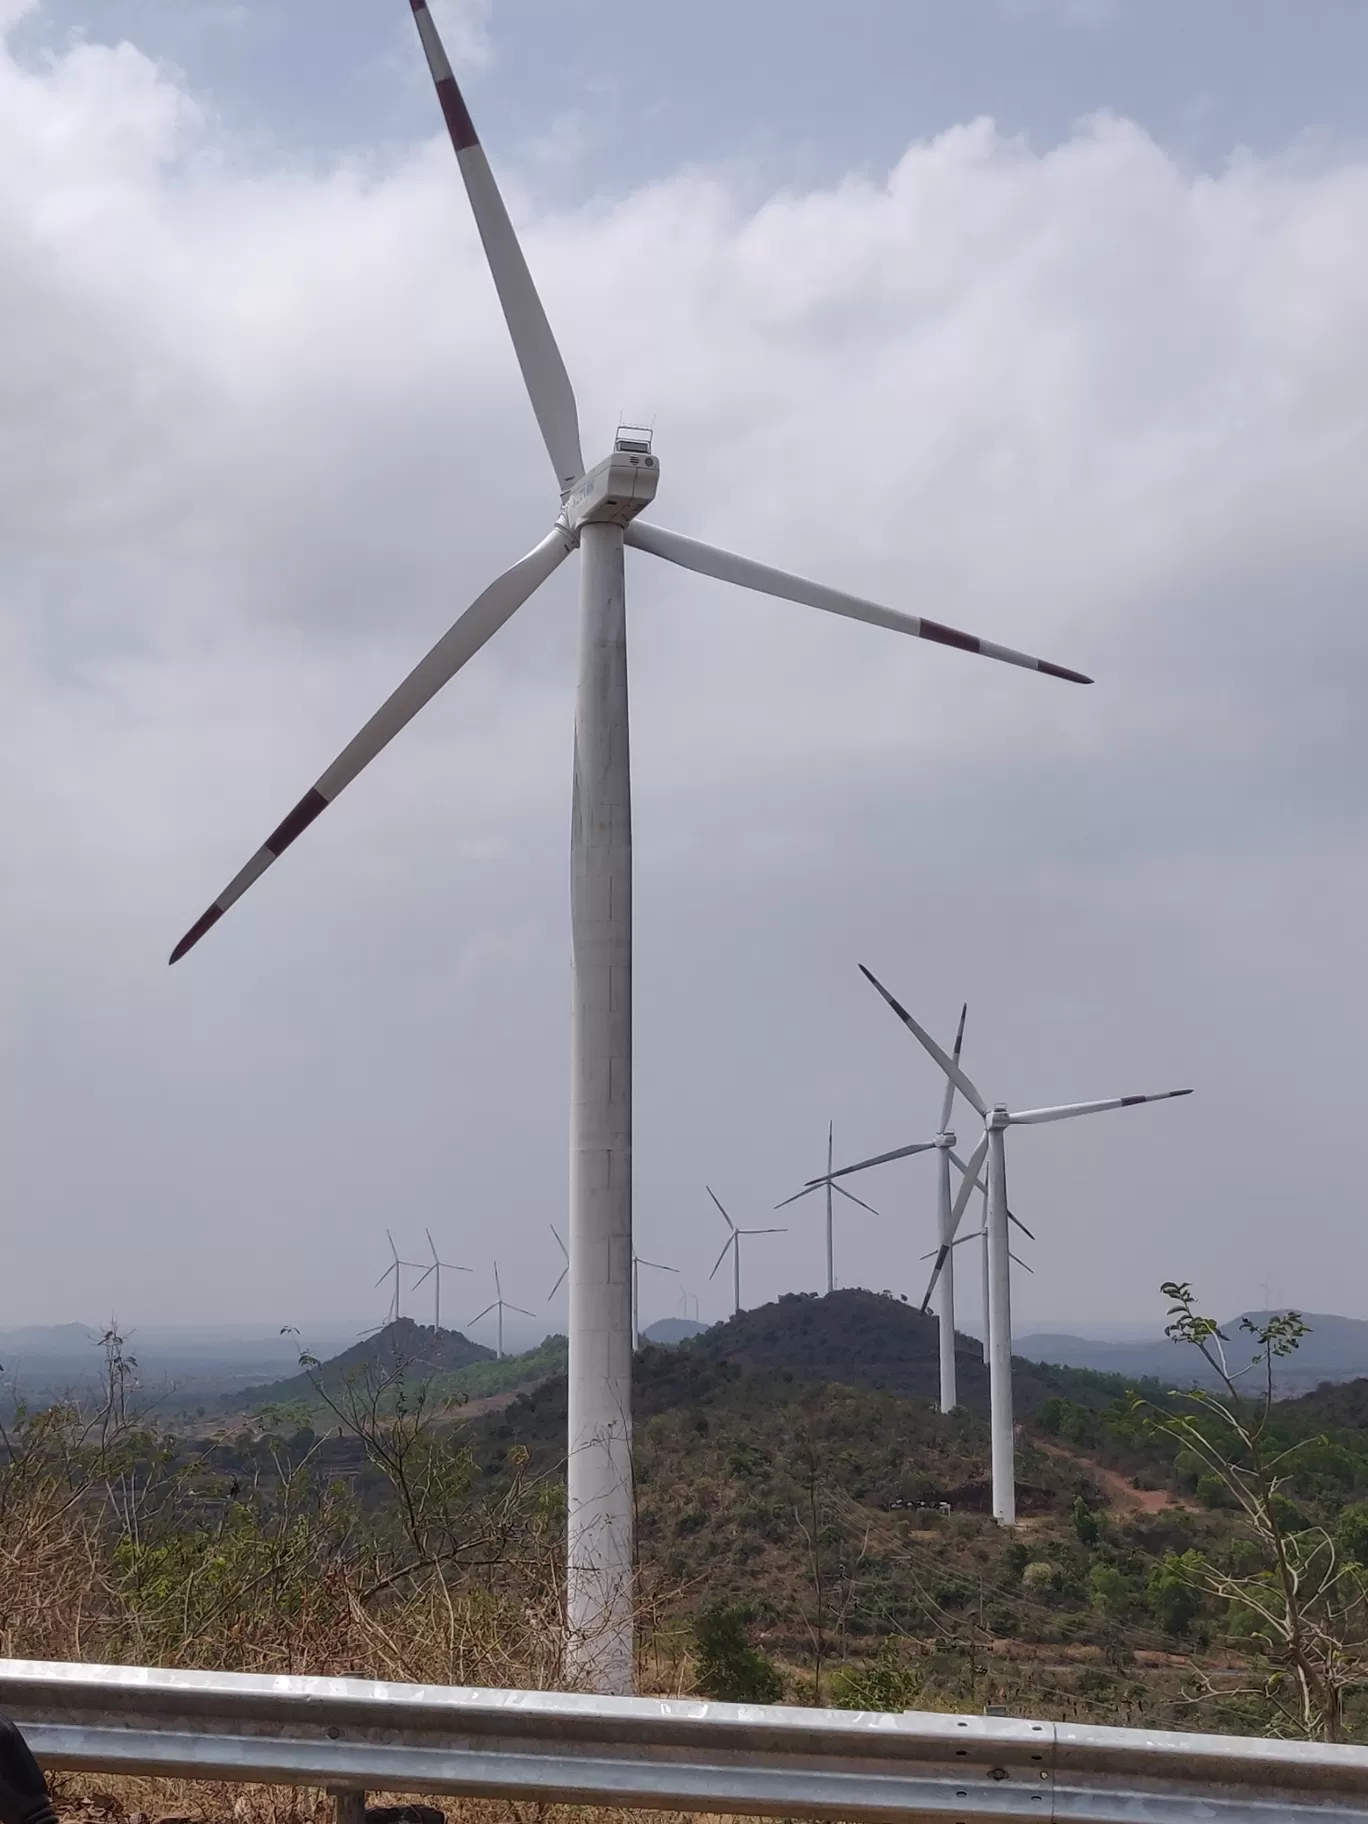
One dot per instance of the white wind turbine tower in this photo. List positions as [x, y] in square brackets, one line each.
[829, 1181]
[637, 1264]
[435, 1272]
[394, 1267]
[733, 1243]
[500, 1304]
[996, 1121]
[598, 516]
[948, 1212]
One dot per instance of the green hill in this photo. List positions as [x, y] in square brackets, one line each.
[871, 1339]
[419, 1349]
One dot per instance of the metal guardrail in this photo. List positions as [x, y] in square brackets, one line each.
[675, 1754]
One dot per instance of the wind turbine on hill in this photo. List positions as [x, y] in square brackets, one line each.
[637, 1264]
[733, 1242]
[829, 1181]
[394, 1267]
[597, 514]
[996, 1121]
[500, 1304]
[948, 1212]
[434, 1272]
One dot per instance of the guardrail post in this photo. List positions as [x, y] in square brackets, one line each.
[349, 1805]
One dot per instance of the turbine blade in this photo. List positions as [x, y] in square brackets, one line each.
[559, 1243]
[762, 1231]
[947, 1064]
[543, 370]
[1021, 1263]
[1032, 1116]
[969, 1183]
[422, 1276]
[899, 1152]
[729, 1243]
[659, 1265]
[980, 1186]
[727, 1219]
[850, 1197]
[948, 1104]
[942, 1255]
[433, 1245]
[690, 554]
[519, 1310]
[815, 1184]
[559, 1283]
[485, 1313]
[486, 614]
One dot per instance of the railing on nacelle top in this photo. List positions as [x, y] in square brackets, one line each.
[678, 1754]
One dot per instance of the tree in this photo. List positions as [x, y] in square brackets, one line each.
[1112, 1591]
[1299, 1597]
[1087, 1522]
[729, 1667]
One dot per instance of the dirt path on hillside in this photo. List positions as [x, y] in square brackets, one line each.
[1122, 1494]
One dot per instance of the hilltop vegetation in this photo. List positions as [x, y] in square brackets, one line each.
[789, 1464]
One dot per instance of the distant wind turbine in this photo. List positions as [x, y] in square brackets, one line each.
[394, 1268]
[948, 1214]
[565, 1269]
[434, 1272]
[500, 1305]
[996, 1121]
[733, 1243]
[637, 1264]
[829, 1181]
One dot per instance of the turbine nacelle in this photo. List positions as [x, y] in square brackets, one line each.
[615, 490]
[944, 1142]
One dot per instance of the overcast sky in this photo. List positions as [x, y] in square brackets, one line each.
[1044, 317]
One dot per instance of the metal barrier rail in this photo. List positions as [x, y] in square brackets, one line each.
[676, 1754]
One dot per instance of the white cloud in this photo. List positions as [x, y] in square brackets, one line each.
[261, 437]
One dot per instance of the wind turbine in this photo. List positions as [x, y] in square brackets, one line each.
[830, 1182]
[394, 1267]
[565, 1269]
[598, 515]
[734, 1243]
[435, 1272]
[500, 1305]
[996, 1121]
[944, 1256]
[942, 1144]
[637, 1264]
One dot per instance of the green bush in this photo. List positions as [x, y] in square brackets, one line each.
[1087, 1522]
[1040, 1577]
[729, 1667]
[1111, 1590]
[1172, 1592]
[1351, 1535]
[1211, 1491]
[886, 1685]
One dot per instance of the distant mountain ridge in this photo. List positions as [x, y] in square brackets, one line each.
[1335, 1350]
[670, 1330]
